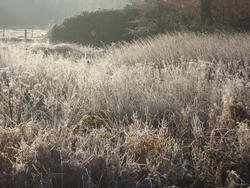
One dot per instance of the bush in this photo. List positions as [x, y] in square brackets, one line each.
[95, 28]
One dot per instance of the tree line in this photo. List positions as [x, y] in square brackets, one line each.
[162, 15]
[143, 18]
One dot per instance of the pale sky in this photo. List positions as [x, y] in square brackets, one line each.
[44, 12]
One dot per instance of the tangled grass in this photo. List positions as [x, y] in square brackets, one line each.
[170, 110]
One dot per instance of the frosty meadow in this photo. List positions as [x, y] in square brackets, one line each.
[156, 112]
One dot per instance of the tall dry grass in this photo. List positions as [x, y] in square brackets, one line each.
[169, 110]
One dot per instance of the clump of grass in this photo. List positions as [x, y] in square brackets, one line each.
[170, 110]
[87, 124]
[124, 156]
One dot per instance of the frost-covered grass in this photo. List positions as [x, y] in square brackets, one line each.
[169, 110]
[20, 33]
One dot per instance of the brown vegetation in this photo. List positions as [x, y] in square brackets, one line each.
[172, 110]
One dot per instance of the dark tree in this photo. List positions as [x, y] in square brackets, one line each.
[206, 12]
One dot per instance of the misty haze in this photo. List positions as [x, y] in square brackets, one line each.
[44, 12]
[124, 93]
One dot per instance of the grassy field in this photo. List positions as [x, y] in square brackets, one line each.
[17, 35]
[163, 111]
